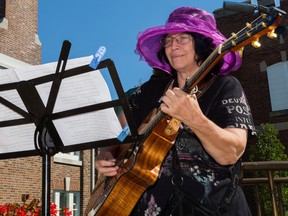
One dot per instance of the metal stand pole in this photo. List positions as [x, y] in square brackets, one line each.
[46, 177]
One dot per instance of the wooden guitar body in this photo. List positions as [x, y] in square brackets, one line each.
[139, 172]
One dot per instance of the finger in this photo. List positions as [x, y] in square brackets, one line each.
[168, 97]
[193, 96]
[163, 107]
[170, 93]
[110, 171]
[106, 168]
[105, 163]
[177, 91]
[181, 93]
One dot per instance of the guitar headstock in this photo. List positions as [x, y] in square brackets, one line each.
[265, 24]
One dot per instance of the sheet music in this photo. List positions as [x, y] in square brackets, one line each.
[76, 91]
[8, 76]
[17, 138]
[13, 97]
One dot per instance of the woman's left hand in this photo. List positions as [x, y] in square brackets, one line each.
[181, 106]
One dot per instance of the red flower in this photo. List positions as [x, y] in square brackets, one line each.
[31, 209]
[66, 211]
[53, 209]
[20, 212]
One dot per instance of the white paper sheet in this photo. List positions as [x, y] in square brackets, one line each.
[76, 91]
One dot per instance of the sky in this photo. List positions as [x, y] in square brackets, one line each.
[89, 24]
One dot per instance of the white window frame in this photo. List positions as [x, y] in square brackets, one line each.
[278, 85]
[70, 203]
[57, 201]
[71, 158]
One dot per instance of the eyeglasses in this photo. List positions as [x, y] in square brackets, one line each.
[180, 39]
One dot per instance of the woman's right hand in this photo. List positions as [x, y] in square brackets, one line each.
[105, 163]
[106, 167]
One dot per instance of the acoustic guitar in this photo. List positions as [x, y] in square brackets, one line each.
[119, 194]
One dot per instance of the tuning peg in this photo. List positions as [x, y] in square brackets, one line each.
[249, 25]
[240, 52]
[234, 35]
[233, 43]
[272, 34]
[264, 16]
[264, 25]
[256, 43]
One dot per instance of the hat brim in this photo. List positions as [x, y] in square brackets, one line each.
[148, 44]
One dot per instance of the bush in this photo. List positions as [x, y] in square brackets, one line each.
[268, 148]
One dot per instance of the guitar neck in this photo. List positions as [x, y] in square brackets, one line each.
[146, 128]
[204, 69]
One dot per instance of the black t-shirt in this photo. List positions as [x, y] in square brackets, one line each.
[225, 104]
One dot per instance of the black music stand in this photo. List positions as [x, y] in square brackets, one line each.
[46, 138]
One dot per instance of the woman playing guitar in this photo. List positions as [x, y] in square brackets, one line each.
[200, 173]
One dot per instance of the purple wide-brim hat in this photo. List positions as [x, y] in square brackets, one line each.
[183, 19]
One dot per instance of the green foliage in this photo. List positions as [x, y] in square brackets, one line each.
[268, 148]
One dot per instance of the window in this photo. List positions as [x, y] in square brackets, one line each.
[278, 85]
[67, 199]
[2, 9]
[72, 158]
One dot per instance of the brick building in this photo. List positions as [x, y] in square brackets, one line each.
[257, 73]
[70, 173]
[263, 74]
[19, 43]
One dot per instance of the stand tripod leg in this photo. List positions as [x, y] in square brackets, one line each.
[46, 177]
